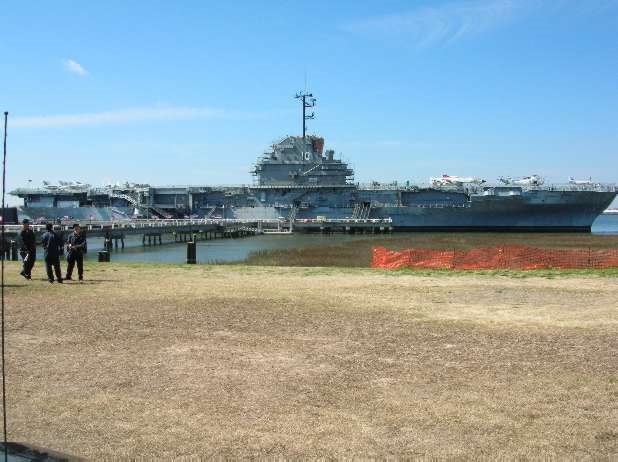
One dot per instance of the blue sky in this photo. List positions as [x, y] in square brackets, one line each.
[192, 92]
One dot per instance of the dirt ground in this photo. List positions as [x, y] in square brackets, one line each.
[236, 361]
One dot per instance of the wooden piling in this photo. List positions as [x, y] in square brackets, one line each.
[191, 253]
[13, 251]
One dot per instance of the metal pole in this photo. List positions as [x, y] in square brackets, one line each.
[303, 98]
[6, 454]
[304, 118]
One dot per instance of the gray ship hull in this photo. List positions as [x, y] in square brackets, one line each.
[564, 211]
[428, 210]
[536, 211]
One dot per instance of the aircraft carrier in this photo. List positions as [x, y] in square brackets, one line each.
[297, 179]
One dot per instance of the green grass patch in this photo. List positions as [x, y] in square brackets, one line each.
[537, 273]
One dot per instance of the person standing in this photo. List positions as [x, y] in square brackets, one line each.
[76, 248]
[52, 247]
[28, 249]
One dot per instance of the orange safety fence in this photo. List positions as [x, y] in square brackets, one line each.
[504, 257]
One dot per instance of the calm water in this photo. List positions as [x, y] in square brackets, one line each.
[216, 250]
[228, 250]
[606, 224]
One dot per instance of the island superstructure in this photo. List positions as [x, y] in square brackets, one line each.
[297, 178]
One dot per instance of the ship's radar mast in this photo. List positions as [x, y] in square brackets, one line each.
[308, 102]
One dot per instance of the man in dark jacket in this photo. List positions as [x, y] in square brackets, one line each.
[76, 247]
[28, 249]
[52, 246]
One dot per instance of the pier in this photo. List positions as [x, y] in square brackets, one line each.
[344, 225]
[186, 230]
[153, 230]
[193, 230]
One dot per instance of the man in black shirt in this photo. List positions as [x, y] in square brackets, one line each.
[76, 247]
[52, 246]
[28, 249]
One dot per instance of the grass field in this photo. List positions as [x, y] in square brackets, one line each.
[357, 253]
[237, 361]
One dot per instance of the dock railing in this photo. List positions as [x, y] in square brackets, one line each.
[66, 225]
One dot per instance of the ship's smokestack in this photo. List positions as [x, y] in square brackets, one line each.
[318, 145]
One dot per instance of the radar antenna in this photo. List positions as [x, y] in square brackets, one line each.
[308, 102]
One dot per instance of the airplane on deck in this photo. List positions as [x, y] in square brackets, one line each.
[446, 179]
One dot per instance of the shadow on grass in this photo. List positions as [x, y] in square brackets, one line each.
[89, 282]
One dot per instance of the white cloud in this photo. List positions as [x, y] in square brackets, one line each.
[74, 67]
[125, 116]
[440, 24]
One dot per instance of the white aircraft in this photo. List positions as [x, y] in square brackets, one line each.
[116, 185]
[71, 186]
[580, 182]
[455, 180]
[532, 180]
[48, 185]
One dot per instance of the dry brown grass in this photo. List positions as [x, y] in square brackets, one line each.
[357, 253]
[239, 361]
